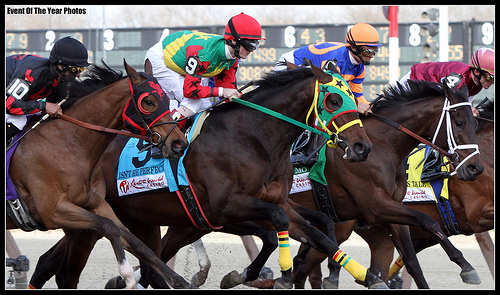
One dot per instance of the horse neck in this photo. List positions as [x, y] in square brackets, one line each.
[102, 108]
[294, 103]
[418, 116]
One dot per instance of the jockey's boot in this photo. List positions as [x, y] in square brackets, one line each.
[432, 168]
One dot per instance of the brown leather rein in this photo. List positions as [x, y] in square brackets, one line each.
[102, 129]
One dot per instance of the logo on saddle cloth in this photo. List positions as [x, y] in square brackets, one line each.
[418, 191]
[139, 172]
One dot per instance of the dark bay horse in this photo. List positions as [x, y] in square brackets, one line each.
[239, 169]
[373, 190]
[54, 165]
[472, 204]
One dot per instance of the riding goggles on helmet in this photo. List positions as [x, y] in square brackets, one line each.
[76, 70]
[250, 44]
[370, 51]
[488, 76]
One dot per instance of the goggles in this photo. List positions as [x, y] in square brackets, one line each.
[369, 51]
[76, 70]
[249, 44]
[487, 76]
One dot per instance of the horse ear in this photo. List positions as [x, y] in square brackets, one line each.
[291, 66]
[465, 90]
[321, 76]
[331, 65]
[132, 73]
[306, 62]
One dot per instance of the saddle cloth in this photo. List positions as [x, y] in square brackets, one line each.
[139, 172]
[418, 191]
[301, 181]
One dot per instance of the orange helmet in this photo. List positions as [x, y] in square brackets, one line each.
[362, 34]
[243, 26]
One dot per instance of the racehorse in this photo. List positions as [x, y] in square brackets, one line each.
[253, 184]
[54, 167]
[373, 189]
[471, 202]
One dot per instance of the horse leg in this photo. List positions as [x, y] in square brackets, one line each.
[305, 232]
[252, 272]
[299, 277]
[105, 222]
[398, 213]
[78, 247]
[400, 235]
[200, 277]
[49, 263]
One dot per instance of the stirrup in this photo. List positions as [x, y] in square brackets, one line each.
[433, 175]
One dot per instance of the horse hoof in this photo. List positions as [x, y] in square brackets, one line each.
[261, 284]
[115, 283]
[470, 277]
[231, 280]
[396, 283]
[286, 280]
[199, 278]
[266, 273]
[374, 282]
[282, 284]
[329, 284]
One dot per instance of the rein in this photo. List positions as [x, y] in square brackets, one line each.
[281, 117]
[102, 129]
[411, 133]
[445, 116]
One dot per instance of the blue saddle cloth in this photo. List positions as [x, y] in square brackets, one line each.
[139, 172]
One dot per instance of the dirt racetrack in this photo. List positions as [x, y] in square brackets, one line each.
[227, 253]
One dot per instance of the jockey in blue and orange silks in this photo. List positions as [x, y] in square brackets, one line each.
[362, 43]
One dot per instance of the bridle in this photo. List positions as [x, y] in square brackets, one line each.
[452, 144]
[148, 128]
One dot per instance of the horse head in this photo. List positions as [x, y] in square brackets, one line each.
[148, 113]
[460, 129]
[335, 112]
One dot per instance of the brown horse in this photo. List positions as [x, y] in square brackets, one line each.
[252, 185]
[54, 166]
[472, 204]
[373, 190]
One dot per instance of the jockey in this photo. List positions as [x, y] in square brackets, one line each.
[478, 74]
[30, 78]
[183, 61]
[362, 43]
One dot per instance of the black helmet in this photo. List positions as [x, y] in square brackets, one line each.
[69, 51]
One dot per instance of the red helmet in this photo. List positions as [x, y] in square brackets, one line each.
[243, 26]
[484, 59]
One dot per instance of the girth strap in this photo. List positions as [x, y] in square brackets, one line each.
[323, 200]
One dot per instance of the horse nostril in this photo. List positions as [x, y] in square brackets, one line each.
[179, 146]
[475, 170]
[360, 148]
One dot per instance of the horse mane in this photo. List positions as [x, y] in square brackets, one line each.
[278, 79]
[411, 90]
[273, 80]
[93, 79]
